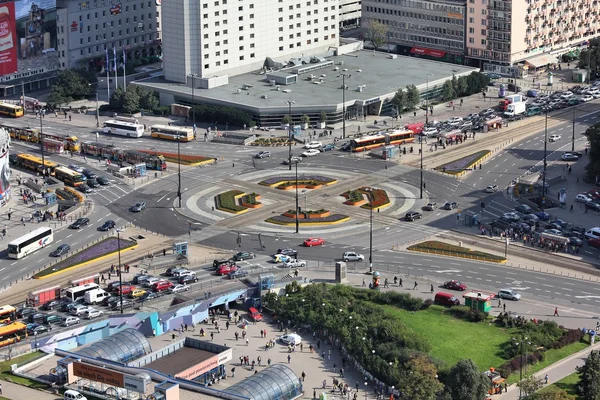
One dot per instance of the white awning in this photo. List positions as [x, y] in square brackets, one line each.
[542, 60]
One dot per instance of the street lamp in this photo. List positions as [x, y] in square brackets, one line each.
[573, 136]
[545, 164]
[370, 191]
[289, 103]
[297, 221]
[120, 270]
[421, 138]
[523, 339]
[41, 142]
[193, 76]
[344, 76]
[179, 171]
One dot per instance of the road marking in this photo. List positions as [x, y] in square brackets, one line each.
[2, 269]
[69, 235]
[14, 263]
[448, 271]
[587, 297]
[39, 261]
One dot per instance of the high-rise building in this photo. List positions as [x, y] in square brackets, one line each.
[231, 37]
[431, 28]
[350, 12]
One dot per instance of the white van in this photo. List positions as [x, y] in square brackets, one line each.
[593, 233]
[74, 395]
[96, 296]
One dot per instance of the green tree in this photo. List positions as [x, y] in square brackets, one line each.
[530, 384]
[589, 377]
[590, 57]
[418, 379]
[376, 33]
[148, 100]
[463, 86]
[448, 92]
[413, 97]
[323, 116]
[476, 82]
[466, 382]
[592, 169]
[286, 120]
[131, 102]
[399, 100]
[71, 85]
[117, 99]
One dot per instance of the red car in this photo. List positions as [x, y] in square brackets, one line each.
[310, 242]
[125, 288]
[455, 285]
[162, 285]
[226, 269]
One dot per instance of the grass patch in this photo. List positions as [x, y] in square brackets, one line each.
[463, 164]
[568, 384]
[550, 357]
[453, 339]
[6, 375]
[442, 248]
[227, 201]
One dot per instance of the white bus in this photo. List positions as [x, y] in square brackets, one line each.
[128, 129]
[75, 292]
[30, 243]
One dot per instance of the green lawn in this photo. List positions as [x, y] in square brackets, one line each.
[568, 384]
[453, 339]
[5, 373]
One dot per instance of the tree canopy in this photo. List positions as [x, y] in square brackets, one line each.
[589, 377]
[376, 33]
[466, 382]
[135, 99]
[590, 57]
[71, 85]
[592, 169]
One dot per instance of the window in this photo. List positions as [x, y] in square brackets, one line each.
[206, 56]
[240, 18]
[241, 38]
[483, 42]
[291, 36]
[471, 30]
[216, 13]
[226, 62]
[218, 63]
[472, 10]
[205, 16]
[218, 53]
[252, 36]
[241, 58]
[206, 36]
[281, 38]
[241, 28]
[206, 45]
[281, 29]
[205, 66]
[483, 32]
[251, 45]
[471, 20]
[241, 48]
[291, 46]
[205, 5]
[280, 48]
[251, 55]
[241, 8]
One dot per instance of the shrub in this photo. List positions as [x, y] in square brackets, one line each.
[426, 304]
[434, 246]
[226, 201]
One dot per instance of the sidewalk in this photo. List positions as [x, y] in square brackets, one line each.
[18, 392]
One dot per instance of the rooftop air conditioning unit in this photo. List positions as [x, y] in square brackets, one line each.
[239, 91]
[359, 70]
[345, 70]
[278, 88]
[272, 82]
[359, 89]
[264, 96]
[341, 63]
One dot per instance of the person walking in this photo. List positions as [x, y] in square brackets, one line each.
[400, 282]
[556, 315]
[416, 286]
[303, 376]
[289, 358]
[504, 307]
[431, 288]
[233, 372]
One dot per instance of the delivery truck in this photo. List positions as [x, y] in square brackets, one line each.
[515, 109]
[515, 98]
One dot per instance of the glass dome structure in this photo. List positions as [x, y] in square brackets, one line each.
[277, 382]
[123, 347]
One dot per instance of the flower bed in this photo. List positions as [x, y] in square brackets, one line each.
[227, 201]
[463, 164]
[354, 197]
[186, 159]
[447, 249]
[329, 220]
[271, 142]
[96, 251]
[377, 198]
[301, 185]
[316, 179]
[251, 200]
[307, 214]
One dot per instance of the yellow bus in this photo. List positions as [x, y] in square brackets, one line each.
[11, 110]
[20, 133]
[12, 333]
[35, 163]
[172, 133]
[68, 176]
[8, 314]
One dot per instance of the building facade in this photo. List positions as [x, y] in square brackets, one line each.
[231, 37]
[87, 30]
[426, 28]
[350, 12]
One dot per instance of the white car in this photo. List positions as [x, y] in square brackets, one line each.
[583, 198]
[151, 281]
[295, 264]
[178, 289]
[352, 256]
[430, 131]
[511, 216]
[93, 313]
[587, 97]
[554, 138]
[311, 152]
[291, 338]
[455, 121]
[181, 272]
[566, 95]
[491, 188]
[79, 310]
[313, 145]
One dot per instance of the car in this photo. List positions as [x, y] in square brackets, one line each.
[70, 320]
[566, 95]
[543, 216]
[38, 317]
[470, 117]
[84, 188]
[553, 225]
[553, 231]
[291, 339]
[569, 157]
[124, 289]
[311, 153]
[352, 256]
[178, 289]
[430, 131]
[92, 183]
[530, 217]
[295, 264]
[93, 313]
[508, 294]
[592, 206]
[586, 97]
[328, 147]
[178, 273]
[310, 242]
[80, 222]
[155, 295]
[449, 205]
[25, 312]
[412, 215]
[583, 198]
[524, 209]
[313, 145]
[112, 286]
[162, 286]
[51, 305]
[78, 310]
[226, 269]
[109, 301]
[454, 121]
[75, 168]
[491, 188]
[511, 217]
[188, 278]
[293, 160]
[107, 225]
[149, 282]
[486, 112]
[455, 285]
[138, 207]
[218, 263]
[522, 227]
[287, 251]
[102, 181]
[554, 138]
[137, 293]
[560, 222]
[126, 304]
[243, 255]
[430, 206]
[37, 329]
[280, 258]
[263, 154]
[575, 241]
[89, 173]
[13, 158]
[238, 273]
[61, 250]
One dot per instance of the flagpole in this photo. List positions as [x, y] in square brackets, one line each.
[107, 76]
[116, 69]
[124, 72]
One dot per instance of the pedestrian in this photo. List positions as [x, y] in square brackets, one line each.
[432, 288]
[505, 387]
[504, 307]
[153, 332]
[233, 372]
[303, 376]
[416, 286]
[212, 336]
[556, 315]
[8, 214]
[173, 336]
[247, 341]
[364, 282]
[400, 282]
[23, 220]
[314, 393]
[499, 303]
[289, 358]
[570, 208]
[546, 379]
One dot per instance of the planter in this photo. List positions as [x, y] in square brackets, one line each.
[304, 126]
[250, 205]
[356, 203]
[302, 215]
[300, 186]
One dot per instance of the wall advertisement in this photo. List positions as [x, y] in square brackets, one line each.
[4, 167]
[8, 39]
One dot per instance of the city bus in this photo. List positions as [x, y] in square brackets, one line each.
[12, 333]
[172, 133]
[156, 163]
[30, 243]
[75, 292]
[11, 110]
[68, 176]
[34, 163]
[8, 314]
[122, 128]
[383, 138]
[70, 142]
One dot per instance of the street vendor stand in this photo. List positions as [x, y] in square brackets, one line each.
[478, 300]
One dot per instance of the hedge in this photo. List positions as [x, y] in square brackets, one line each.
[226, 201]
[433, 246]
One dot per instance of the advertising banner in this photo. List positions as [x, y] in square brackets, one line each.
[96, 374]
[8, 39]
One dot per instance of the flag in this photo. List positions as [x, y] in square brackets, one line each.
[107, 64]
[124, 58]
[115, 54]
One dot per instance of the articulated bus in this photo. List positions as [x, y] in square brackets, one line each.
[102, 150]
[30, 243]
[172, 133]
[128, 129]
[11, 110]
[12, 333]
[32, 135]
[157, 163]
[34, 163]
[68, 176]
[8, 314]
[70, 142]
[383, 138]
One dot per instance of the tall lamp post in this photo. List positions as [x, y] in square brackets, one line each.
[178, 171]
[42, 143]
[545, 164]
[97, 106]
[297, 219]
[120, 270]
[421, 138]
[193, 76]
[573, 136]
[289, 103]
[370, 191]
[344, 76]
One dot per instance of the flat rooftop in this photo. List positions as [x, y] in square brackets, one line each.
[180, 360]
[377, 73]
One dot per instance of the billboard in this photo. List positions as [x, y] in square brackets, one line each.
[4, 167]
[97, 374]
[8, 39]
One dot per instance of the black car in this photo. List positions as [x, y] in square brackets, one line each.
[84, 188]
[575, 241]
[150, 295]
[524, 208]
[25, 312]
[37, 318]
[554, 225]
[92, 183]
[243, 255]
[218, 263]
[61, 250]
[102, 181]
[191, 278]
[107, 226]
[413, 215]
[449, 205]
[287, 252]
[79, 223]
[36, 329]
[13, 158]
[51, 305]
[89, 173]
